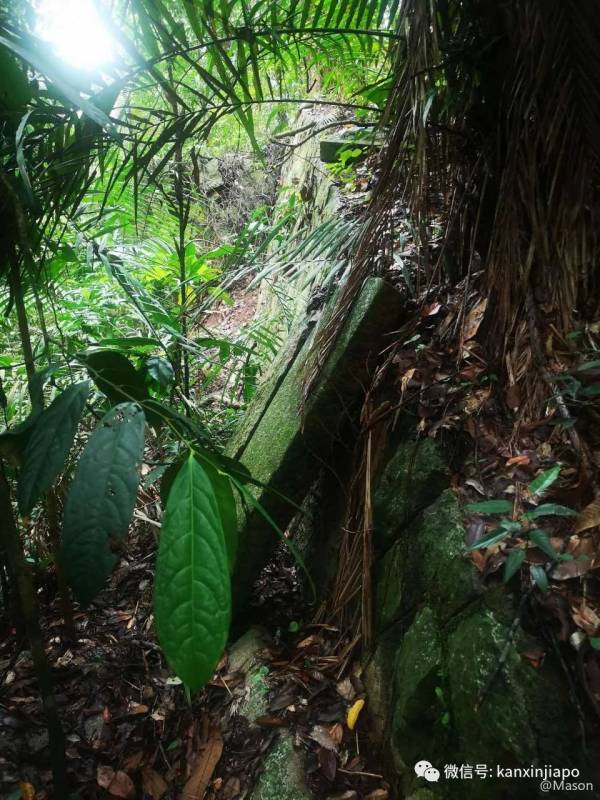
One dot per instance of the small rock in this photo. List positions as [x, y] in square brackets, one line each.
[244, 651]
[283, 773]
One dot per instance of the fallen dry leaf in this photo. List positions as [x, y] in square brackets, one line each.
[322, 736]
[473, 320]
[137, 708]
[405, 379]
[208, 759]
[118, 784]
[336, 732]
[104, 776]
[520, 460]
[27, 791]
[153, 784]
[582, 549]
[133, 761]
[476, 400]
[346, 689]
[431, 309]
[310, 641]
[586, 618]
[589, 517]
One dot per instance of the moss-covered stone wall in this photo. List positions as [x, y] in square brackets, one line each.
[448, 680]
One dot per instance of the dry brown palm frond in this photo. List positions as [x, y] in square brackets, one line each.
[545, 227]
[495, 114]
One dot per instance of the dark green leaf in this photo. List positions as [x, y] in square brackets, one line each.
[192, 593]
[539, 577]
[213, 466]
[161, 372]
[490, 507]
[130, 343]
[544, 480]
[591, 391]
[510, 525]
[513, 563]
[491, 538]
[115, 376]
[101, 499]
[550, 510]
[226, 502]
[541, 541]
[49, 444]
[588, 365]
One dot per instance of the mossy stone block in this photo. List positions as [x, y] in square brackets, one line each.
[285, 449]
[426, 565]
[388, 587]
[255, 704]
[282, 777]
[330, 150]
[418, 726]
[498, 732]
[436, 569]
[413, 477]
[378, 678]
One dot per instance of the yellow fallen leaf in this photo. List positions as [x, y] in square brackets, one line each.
[353, 713]
[27, 791]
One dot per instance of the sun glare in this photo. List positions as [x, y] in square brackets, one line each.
[76, 31]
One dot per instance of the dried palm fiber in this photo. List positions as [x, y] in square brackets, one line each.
[495, 118]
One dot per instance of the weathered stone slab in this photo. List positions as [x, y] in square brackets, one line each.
[282, 777]
[442, 637]
[283, 451]
[330, 149]
[426, 564]
[419, 700]
[413, 477]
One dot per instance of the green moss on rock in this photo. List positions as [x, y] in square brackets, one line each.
[255, 704]
[285, 450]
[414, 476]
[419, 721]
[388, 587]
[427, 565]
[498, 732]
[436, 569]
[283, 773]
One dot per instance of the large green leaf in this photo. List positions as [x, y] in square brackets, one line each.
[101, 499]
[115, 376]
[544, 480]
[490, 507]
[223, 490]
[159, 371]
[541, 540]
[192, 592]
[550, 510]
[49, 444]
[513, 563]
[226, 502]
[489, 539]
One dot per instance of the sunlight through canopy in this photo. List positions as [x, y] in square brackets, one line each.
[76, 32]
